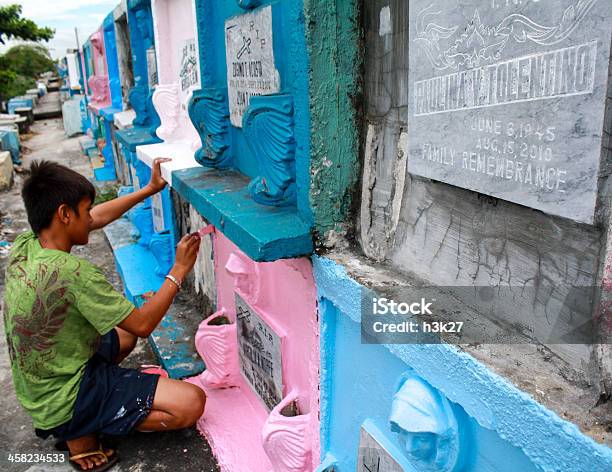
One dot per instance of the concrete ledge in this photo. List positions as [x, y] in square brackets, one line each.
[104, 174]
[264, 233]
[96, 107]
[86, 143]
[124, 119]
[26, 112]
[109, 113]
[9, 141]
[180, 152]
[20, 121]
[130, 138]
[550, 442]
[6, 170]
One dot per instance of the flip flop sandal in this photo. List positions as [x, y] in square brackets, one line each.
[100, 468]
[153, 369]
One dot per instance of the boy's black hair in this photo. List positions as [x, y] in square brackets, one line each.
[49, 185]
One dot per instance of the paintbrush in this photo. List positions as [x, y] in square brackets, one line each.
[206, 230]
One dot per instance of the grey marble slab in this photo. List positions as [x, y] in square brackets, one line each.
[507, 98]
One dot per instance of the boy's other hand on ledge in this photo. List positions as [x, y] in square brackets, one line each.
[157, 182]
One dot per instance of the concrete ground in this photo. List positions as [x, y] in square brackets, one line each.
[183, 450]
[48, 106]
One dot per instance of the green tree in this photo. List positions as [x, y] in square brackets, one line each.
[20, 66]
[29, 60]
[13, 84]
[12, 25]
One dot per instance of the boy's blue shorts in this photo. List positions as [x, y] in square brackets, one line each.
[111, 400]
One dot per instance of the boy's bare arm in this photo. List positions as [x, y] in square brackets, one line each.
[142, 321]
[107, 212]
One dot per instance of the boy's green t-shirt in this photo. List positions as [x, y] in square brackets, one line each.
[56, 306]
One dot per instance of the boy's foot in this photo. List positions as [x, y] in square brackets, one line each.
[87, 454]
[99, 460]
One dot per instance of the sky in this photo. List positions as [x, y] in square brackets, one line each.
[64, 16]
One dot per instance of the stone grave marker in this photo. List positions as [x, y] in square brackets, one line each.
[259, 349]
[507, 98]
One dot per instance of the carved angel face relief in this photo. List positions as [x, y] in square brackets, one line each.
[427, 426]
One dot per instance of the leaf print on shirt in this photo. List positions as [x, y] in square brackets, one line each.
[37, 330]
[15, 269]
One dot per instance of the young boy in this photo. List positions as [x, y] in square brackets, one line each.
[68, 328]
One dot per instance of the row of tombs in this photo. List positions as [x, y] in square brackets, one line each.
[259, 108]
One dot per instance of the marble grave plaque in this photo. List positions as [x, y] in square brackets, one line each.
[507, 98]
[158, 212]
[152, 67]
[259, 351]
[373, 457]
[188, 74]
[135, 179]
[250, 60]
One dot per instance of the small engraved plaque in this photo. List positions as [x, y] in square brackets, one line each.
[250, 60]
[260, 354]
[373, 457]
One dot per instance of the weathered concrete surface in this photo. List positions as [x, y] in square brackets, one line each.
[49, 106]
[6, 170]
[333, 41]
[71, 113]
[179, 450]
[532, 368]
[550, 443]
[124, 52]
[200, 287]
